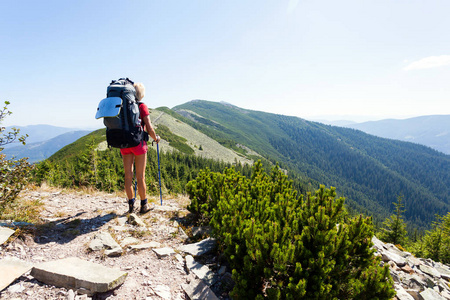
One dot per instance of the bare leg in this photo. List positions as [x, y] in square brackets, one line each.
[128, 166]
[141, 161]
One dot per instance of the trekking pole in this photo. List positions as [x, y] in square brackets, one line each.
[159, 171]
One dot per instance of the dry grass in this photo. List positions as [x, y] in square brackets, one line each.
[60, 214]
[24, 210]
[182, 200]
[139, 233]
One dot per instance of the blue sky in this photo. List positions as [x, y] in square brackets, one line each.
[359, 60]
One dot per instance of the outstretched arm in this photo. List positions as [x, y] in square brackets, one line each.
[150, 130]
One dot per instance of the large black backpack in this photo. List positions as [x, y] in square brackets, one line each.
[120, 113]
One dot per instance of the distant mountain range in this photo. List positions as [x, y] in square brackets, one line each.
[42, 141]
[41, 132]
[432, 131]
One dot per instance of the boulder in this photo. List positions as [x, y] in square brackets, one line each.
[133, 219]
[390, 256]
[103, 240]
[413, 261]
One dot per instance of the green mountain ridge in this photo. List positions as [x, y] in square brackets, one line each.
[369, 171]
[195, 140]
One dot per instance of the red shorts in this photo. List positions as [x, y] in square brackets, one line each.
[138, 150]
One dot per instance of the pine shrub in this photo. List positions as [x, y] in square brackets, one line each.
[394, 230]
[281, 245]
[435, 244]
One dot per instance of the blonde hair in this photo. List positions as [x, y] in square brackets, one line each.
[140, 90]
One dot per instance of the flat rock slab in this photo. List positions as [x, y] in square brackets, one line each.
[430, 294]
[5, 233]
[201, 271]
[74, 273]
[145, 246]
[162, 252]
[129, 241]
[198, 290]
[401, 294]
[429, 270]
[200, 248]
[445, 273]
[11, 269]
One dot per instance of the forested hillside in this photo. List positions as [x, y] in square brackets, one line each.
[369, 171]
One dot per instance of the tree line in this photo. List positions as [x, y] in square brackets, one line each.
[103, 170]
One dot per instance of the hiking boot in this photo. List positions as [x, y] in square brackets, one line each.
[146, 208]
[130, 206]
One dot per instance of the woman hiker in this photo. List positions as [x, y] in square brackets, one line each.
[138, 156]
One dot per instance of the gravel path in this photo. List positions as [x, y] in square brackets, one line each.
[71, 219]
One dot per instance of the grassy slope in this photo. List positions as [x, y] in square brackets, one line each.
[211, 148]
[195, 139]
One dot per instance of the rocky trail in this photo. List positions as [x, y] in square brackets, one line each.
[151, 253]
[88, 247]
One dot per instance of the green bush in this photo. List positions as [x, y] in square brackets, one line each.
[13, 173]
[207, 189]
[281, 245]
[435, 244]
